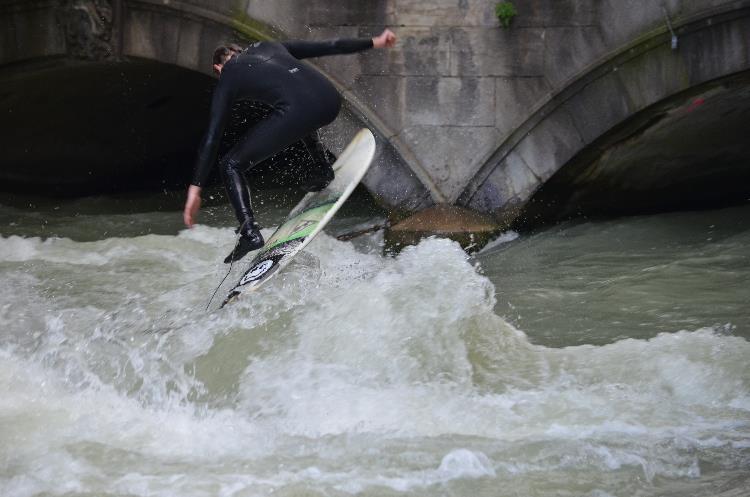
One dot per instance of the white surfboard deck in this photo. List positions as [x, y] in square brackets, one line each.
[308, 217]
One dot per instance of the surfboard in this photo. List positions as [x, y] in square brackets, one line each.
[308, 217]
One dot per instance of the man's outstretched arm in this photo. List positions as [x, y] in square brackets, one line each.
[220, 106]
[307, 49]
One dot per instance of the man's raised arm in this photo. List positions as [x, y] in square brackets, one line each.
[306, 49]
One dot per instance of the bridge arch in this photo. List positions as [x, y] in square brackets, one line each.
[645, 85]
[52, 39]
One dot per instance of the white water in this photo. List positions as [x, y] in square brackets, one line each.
[349, 374]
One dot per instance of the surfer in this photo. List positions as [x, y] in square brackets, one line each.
[302, 101]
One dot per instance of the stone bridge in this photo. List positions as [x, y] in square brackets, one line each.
[581, 105]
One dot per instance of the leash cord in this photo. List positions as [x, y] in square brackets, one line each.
[231, 263]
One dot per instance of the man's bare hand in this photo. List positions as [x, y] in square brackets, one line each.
[192, 205]
[386, 39]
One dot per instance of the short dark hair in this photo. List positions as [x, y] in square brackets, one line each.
[223, 52]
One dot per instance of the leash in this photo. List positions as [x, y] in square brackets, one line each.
[231, 263]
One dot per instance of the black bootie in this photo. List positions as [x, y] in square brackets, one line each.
[320, 173]
[250, 239]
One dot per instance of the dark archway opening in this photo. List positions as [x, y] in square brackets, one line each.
[688, 152]
[77, 128]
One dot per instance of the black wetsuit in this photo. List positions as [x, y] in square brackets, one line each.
[302, 100]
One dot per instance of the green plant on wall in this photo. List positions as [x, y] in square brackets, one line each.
[505, 12]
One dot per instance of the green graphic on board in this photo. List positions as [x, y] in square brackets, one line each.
[301, 225]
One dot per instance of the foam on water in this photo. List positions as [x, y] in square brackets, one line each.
[348, 373]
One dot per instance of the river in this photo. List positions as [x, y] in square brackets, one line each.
[593, 358]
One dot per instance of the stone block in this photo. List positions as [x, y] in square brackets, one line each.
[189, 46]
[166, 34]
[601, 105]
[495, 198]
[419, 51]
[549, 145]
[281, 13]
[519, 177]
[497, 52]
[516, 99]
[451, 154]
[550, 13]
[570, 51]
[137, 39]
[620, 22]
[443, 13]
[385, 96]
[652, 76]
[491, 196]
[511, 181]
[450, 101]
[356, 13]
[295, 18]
[719, 50]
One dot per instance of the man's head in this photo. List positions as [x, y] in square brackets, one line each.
[222, 54]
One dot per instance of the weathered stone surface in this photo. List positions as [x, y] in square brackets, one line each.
[490, 196]
[619, 23]
[451, 166]
[189, 47]
[497, 52]
[637, 76]
[515, 98]
[421, 51]
[167, 40]
[550, 144]
[510, 183]
[348, 13]
[137, 37]
[519, 178]
[385, 96]
[570, 50]
[540, 13]
[443, 13]
[599, 106]
[697, 51]
[155, 34]
[450, 101]
[493, 198]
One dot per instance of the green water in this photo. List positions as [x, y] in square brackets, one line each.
[589, 359]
